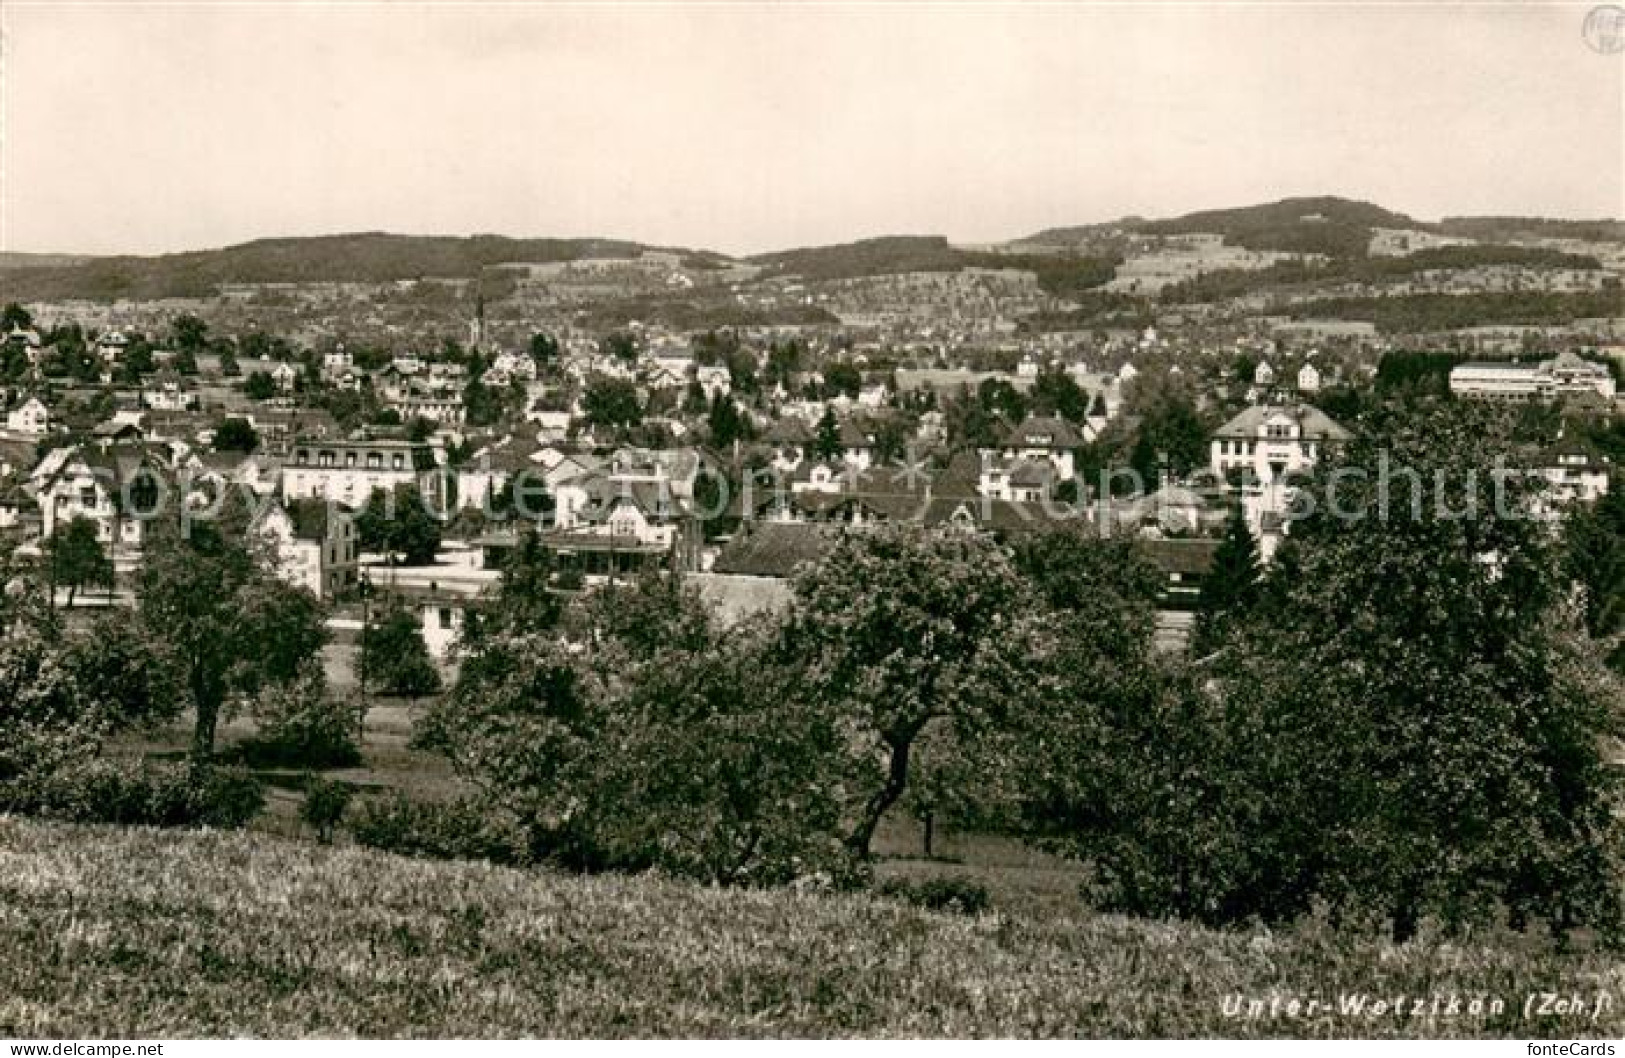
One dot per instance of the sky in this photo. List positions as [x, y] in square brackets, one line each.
[150, 128]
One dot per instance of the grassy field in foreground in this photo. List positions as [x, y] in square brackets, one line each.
[138, 933]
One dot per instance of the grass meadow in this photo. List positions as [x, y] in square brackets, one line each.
[141, 933]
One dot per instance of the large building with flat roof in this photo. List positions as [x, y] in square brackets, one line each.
[1564, 376]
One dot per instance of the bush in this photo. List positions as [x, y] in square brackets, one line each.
[959, 895]
[325, 805]
[452, 830]
[110, 791]
[301, 726]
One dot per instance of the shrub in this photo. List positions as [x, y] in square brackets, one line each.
[325, 805]
[110, 791]
[459, 830]
[945, 893]
[301, 726]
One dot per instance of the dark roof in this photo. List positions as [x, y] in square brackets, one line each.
[774, 549]
[1043, 431]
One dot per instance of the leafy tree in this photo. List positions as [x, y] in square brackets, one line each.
[524, 603]
[400, 525]
[1594, 557]
[1231, 586]
[78, 559]
[644, 737]
[544, 349]
[301, 725]
[1056, 393]
[827, 440]
[1172, 435]
[228, 362]
[47, 721]
[15, 316]
[224, 621]
[393, 656]
[1411, 723]
[621, 346]
[899, 630]
[125, 673]
[842, 378]
[191, 334]
[1002, 399]
[612, 402]
[235, 435]
[259, 385]
[725, 422]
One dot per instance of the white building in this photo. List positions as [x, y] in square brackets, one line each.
[30, 417]
[348, 472]
[1274, 441]
[315, 545]
[1566, 375]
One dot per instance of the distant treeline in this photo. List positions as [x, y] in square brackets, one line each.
[372, 257]
[1418, 313]
[1063, 275]
[1493, 229]
[1239, 282]
[1339, 228]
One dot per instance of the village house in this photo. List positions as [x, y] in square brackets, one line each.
[31, 417]
[114, 487]
[1046, 438]
[315, 545]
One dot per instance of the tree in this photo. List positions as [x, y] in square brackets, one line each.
[725, 422]
[124, 673]
[394, 658]
[15, 317]
[842, 379]
[77, 558]
[46, 719]
[400, 524]
[1231, 586]
[1172, 435]
[228, 362]
[898, 630]
[621, 346]
[1409, 724]
[643, 737]
[301, 725]
[827, 441]
[544, 349]
[223, 620]
[235, 435]
[612, 402]
[190, 333]
[259, 385]
[1594, 558]
[1056, 393]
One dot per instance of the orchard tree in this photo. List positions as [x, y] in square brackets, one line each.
[394, 658]
[226, 623]
[900, 629]
[77, 558]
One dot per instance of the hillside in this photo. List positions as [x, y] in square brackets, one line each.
[1336, 227]
[369, 257]
[137, 933]
[1063, 275]
[1501, 229]
[13, 261]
